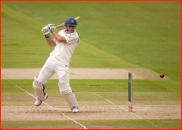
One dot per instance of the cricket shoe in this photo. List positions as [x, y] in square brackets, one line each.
[75, 110]
[38, 102]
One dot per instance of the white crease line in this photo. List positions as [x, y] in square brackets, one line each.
[122, 107]
[109, 101]
[118, 105]
[137, 115]
[153, 124]
[74, 120]
[36, 98]
[48, 105]
[126, 110]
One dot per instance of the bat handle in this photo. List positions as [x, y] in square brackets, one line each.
[61, 25]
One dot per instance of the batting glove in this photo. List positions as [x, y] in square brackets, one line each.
[51, 27]
[46, 31]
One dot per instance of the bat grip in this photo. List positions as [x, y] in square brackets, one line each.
[61, 25]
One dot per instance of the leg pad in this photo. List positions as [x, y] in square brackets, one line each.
[69, 96]
[39, 90]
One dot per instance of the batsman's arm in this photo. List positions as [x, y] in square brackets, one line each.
[58, 37]
[63, 24]
[50, 42]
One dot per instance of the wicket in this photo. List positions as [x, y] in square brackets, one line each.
[130, 91]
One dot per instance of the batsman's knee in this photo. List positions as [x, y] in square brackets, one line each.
[63, 85]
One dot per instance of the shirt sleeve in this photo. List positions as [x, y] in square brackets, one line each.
[72, 39]
[54, 39]
[68, 38]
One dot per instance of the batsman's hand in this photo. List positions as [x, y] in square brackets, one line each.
[51, 27]
[46, 31]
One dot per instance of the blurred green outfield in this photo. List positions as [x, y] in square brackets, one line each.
[146, 34]
[118, 34]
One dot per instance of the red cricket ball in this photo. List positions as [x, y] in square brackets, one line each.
[161, 75]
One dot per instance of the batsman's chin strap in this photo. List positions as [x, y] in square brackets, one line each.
[69, 31]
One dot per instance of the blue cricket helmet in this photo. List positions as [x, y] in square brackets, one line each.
[70, 22]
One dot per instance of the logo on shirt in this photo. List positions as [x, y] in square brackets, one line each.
[69, 37]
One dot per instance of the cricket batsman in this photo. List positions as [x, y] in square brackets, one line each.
[65, 42]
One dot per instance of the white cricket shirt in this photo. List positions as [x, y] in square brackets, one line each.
[62, 52]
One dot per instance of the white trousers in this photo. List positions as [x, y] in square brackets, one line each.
[51, 67]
